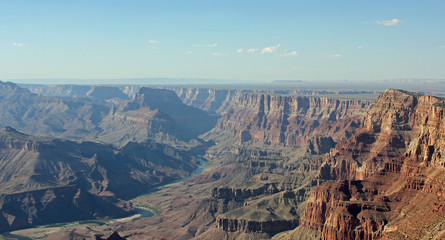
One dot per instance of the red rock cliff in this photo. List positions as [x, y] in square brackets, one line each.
[391, 174]
[291, 120]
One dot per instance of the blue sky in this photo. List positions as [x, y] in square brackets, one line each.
[249, 40]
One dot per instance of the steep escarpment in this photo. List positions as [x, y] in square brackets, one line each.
[291, 120]
[39, 176]
[106, 93]
[219, 100]
[391, 175]
[398, 125]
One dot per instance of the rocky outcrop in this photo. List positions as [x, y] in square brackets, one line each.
[346, 210]
[291, 120]
[400, 125]
[388, 167]
[318, 145]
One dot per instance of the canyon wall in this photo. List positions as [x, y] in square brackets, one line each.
[390, 174]
[291, 120]
[219, 100]
[40, 176]
[103, 114]
[207, 99]
[57, 204]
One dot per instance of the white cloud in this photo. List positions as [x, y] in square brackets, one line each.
[270, 49]
[333, 56]
[154, 42]
[253, 50]
[441, 46]
[190, 52]
[16, 44]
[206, 45]
[389, 23]
[290, 54]
[360, 47]
[218, 54]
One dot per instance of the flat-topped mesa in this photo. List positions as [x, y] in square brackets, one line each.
[106, 93]
[156, 98]
[291, 120]
[391, 174]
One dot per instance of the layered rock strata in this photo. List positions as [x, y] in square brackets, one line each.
[207, 99]
[219, 100]
[391, 174]
[40, 176]
[155, 114]
[291, 120]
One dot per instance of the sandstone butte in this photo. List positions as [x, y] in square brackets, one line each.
[387, 181]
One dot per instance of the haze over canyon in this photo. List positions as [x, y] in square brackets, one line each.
[274, 163]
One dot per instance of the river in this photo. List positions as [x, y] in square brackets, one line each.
[145, 212]
[140, 211]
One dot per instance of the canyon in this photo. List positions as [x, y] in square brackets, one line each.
[41, 175]
[389, 175]
[150, 114]
[281, 164]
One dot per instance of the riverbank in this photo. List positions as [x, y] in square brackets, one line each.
[143, 210]
[143, 207]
